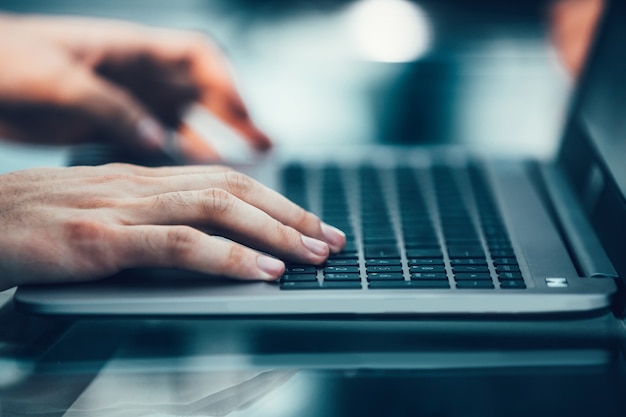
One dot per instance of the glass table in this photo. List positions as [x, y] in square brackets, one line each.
[398, 366]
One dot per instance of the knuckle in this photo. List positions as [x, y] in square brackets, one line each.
[236, 257]
[180, 241]
[84, 230]
[96, 203]
[90, 246]
[216, 201]
[285, 234]
[303, 220]
[237, 182]
[116, 177]
[178, 199]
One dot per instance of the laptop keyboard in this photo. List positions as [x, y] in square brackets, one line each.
[406, 227]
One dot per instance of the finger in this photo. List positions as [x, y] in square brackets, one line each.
[231, 217]
[116, 115]
[187, 248]
[193, 147]
[218, 92]
[229, 107]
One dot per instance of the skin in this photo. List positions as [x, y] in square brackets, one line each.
[74, 80]
[85, 223]
[572, 25]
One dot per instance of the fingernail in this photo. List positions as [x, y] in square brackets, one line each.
[151, 133]
[271, 268]
[316, 246]
[336, 238]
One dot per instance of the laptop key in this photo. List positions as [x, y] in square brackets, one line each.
[424, 253]
[342, 262]
[383, 262]
[300, 269]
[505, 261]
[385, 276]
[507, 268]
[503, 276]
[382, 252]
[513, 284]
[502, 253]
[342, 277]
[427, 268]
[299, 285]
[393, 285]
[344, 255]
[472, 276]
[426, 261]
[468, 261]
[429, 275]
[465, 252]
[470, 268]
[384, 268]
[341, 269]
[474, 284]
[298, 277]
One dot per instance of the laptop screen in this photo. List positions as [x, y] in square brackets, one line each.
[593, 152]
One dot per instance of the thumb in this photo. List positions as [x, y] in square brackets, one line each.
[118, 116]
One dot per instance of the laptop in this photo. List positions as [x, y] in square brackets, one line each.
[430, 231]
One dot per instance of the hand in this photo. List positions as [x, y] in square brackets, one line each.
[68, 80]
[85, 223]
[572, 27]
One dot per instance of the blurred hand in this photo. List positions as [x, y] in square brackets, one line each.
[68, 80]
[572, 27]
[85, 223]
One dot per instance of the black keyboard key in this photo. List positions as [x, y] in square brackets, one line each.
[429, 275]
[425, 261]
[500, 253]
[466, 252]
[384, 268]
[344, 255]
[299, 277]
[475, 284]
[424, 253]
[382, 252]
[424, 284]
[468, 261]
[385, 276]
[502, 276]
[299, 286]
[513, 284]
[341, 269]
[376, 240]
[427, 268]
[505, 261]
[472, 276]
[383, 262]
[470, 268]
[342, 262]
[507, 268]
[342, 277]
[300, 269]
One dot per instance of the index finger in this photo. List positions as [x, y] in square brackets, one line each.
[218, 93]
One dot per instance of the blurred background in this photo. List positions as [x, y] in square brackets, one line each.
[480, 72]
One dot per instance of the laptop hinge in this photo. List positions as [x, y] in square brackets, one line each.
[590, 257]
